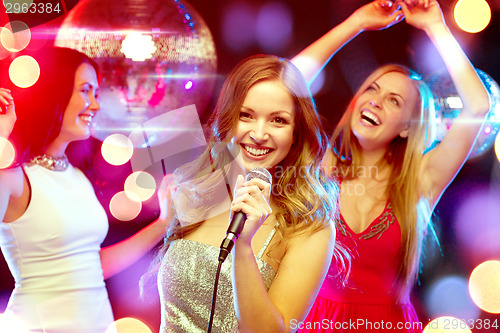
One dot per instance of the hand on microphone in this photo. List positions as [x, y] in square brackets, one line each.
[252, 199]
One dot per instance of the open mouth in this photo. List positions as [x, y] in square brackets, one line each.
[370, 118]
[257, 152]
[87, 118]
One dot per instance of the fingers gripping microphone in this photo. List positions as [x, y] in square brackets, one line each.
[239, 218]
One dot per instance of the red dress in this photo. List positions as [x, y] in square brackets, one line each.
[368, 302]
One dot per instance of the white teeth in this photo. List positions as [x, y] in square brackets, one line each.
[256, 152]
[370, 116]
[86, 118]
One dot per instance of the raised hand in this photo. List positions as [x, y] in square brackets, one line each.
[7, 113]
[165, 192]
[423, 14]
[251, 198]
[378, 15]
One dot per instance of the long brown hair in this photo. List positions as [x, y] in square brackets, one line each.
[309, 204]
[404, 157]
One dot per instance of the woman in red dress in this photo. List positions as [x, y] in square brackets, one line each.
[389, 186]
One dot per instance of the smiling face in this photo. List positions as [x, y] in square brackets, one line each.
[265, 129]
[81, 108]
[383, 110]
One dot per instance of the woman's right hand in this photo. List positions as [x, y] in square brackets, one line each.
[7, 114]
[165, 192]
[378, 15]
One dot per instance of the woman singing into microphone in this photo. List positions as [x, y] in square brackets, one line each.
[265, 117]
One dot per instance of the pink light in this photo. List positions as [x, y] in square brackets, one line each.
[189, 85]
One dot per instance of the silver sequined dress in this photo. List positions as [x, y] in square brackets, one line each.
[186, 281]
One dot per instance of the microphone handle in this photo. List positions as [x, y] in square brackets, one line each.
[237, 224]
[233, 232]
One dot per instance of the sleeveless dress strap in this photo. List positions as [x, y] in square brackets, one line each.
[268, 240]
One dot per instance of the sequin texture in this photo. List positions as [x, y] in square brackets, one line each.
[186, 281]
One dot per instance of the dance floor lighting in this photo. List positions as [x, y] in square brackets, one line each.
[447, 324]
[15, 36]
[138, 47]
[128, 325]
[24, 71]
[472, 15]
[238, 26]
[7, 153]
[450, 296]
[123, 208]
[478, 244]
[497, 147]
[117, 149]
[484, 286]
[140, 185]
[274, 27]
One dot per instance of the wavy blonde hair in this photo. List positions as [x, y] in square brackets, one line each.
[404, 157]
[311, 205]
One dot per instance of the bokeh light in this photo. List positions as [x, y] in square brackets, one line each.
[484, 286]
[274, 27]
[24, 71]
[15, 36]
[123, 208]
[140, 185]
[10, 323]
[447, 324]
[129, 325]
[117, 149]
[138, 47]
[449, 296]
[7, 153]
[497, 147]
[238, 26]
[472, 15]
[478, 241]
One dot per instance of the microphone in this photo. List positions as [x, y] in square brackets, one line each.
[239, 218]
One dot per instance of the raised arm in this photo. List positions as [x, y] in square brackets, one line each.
[7, 113]
[119, 256]
[441, 165]
[301, 272]
[10, 179]
[376, 15]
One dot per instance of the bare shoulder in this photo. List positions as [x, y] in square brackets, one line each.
[11, 181]
[323, 238]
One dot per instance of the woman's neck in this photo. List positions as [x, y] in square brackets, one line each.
[56, 149]
[373, 160]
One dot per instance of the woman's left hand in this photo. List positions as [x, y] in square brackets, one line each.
[422, 15]
[7, 118]
[251, 198]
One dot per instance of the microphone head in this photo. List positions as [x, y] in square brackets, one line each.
[260, 173]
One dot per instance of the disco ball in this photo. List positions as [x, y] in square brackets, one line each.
[155, 56]
[449, 105]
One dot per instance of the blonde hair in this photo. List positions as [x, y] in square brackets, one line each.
[404, 157]
[311, 204]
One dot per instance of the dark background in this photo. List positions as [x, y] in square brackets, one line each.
[400, 43]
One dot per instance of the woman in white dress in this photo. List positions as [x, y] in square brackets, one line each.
[52, 223]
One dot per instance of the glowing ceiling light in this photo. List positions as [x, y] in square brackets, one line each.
[138, 47]
[24, 71]
[123, 208]
[117, 149]
[472, 15]
[484, 286]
